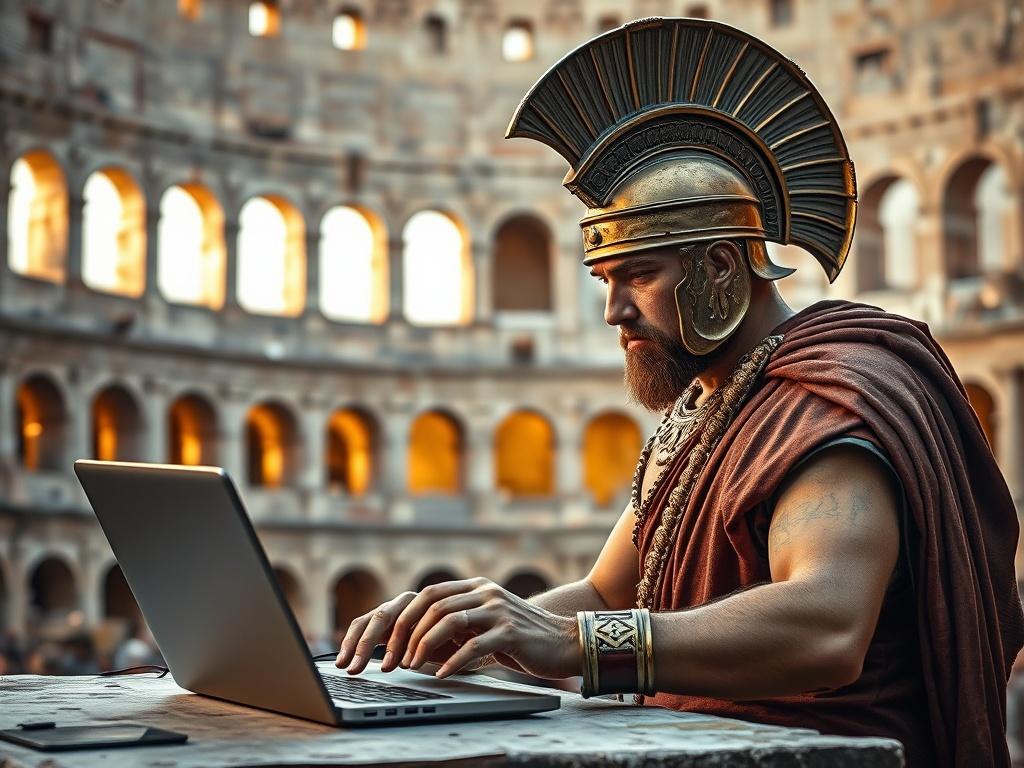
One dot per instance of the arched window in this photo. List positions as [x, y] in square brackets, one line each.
[272, 442]
[353, 266]
[526, 584]
[264, 18]
[190, 10]
[435, 455]
[52, 590]
[37, 217]
[193, 431]
[985, 406]
[191, 247]
[437, 275]
[355, 593]
[271, 257]
[292, 592]
[435, 577]
[611, 448]
[524, 455]
[886, 240]
[41, 424]
[517, 41]
[975, 218]
[435, 30]
[522, 265]
[118, 600]
[116, 426]
[114, 233]
[350, 452]
[994, 205]
[348, 31]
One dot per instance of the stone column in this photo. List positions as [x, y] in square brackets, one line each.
[9, 427]
[90, 588]
[480, 480]
[396, 279]
[312, 272]
[151, 289]
[17, 593]
[231, 439]
[932, 262]
[155, 439]
[1010, 433]
[5, 269]
[395, 457]
[231, 228]
[319, 621]
[568, 466]
[483, 267]
[312, 470]
[79, 421]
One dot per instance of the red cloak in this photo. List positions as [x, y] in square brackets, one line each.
[935, 673]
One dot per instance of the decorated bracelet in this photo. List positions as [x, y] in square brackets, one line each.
[618, 652]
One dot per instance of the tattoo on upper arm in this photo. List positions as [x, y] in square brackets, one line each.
[786, 526]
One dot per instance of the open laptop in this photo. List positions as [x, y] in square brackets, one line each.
[190, 554]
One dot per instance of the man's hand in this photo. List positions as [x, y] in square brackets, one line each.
[460, 624]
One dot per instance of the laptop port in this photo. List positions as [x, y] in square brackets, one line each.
[411, 710]
[427, 710]
[390, 712]
[370, 714]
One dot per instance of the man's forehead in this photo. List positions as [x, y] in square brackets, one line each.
[620, 264]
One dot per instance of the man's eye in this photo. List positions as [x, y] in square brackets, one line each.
[639, 277]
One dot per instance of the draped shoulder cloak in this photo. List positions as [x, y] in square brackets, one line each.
[936, 670]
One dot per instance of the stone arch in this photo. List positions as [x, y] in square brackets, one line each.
[41, 422]
[192, 430]
[272, 444]
[271, 256]
[612, 442]
[118, 600]
[526, 583]
[37, 216]
[353, 265]
[523, 260]
[113, 232]
[434, 575]
[437, 269]
[117, 425]
[984, 406]
[352, 448]
[4, 598]
[436, 454]
[292, 590]
[192, 254]
[888, 214]
[355, 592]
[52, 588]
[524, 455]
[973, 225]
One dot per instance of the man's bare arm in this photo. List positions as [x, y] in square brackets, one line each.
[833, 544]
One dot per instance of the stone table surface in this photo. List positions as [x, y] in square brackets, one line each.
[582, 733]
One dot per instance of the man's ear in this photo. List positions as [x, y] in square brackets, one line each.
[723, 261]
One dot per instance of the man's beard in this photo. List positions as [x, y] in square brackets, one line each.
[658, 371]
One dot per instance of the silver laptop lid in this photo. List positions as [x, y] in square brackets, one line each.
[191, 557]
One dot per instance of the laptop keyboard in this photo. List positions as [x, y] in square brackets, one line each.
[360, 691]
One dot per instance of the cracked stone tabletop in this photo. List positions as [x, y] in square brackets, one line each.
[582, 733]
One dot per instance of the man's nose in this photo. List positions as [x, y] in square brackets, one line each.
[619, 307]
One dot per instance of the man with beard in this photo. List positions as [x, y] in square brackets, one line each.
[818, 534]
